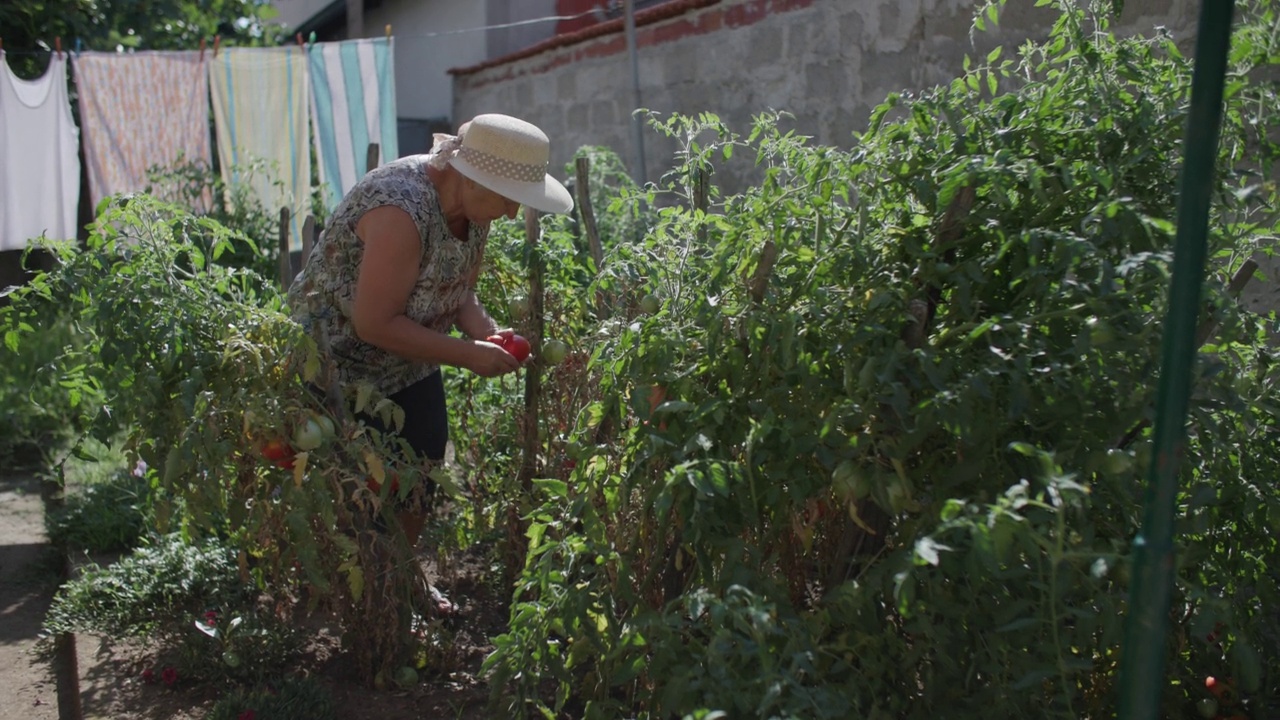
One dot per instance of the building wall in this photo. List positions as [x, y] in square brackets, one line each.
[504, 40]
[827, 62]
[424, 89]
[296, 12]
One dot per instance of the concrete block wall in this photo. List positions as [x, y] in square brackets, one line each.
[826, 62]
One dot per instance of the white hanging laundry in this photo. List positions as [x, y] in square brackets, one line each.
[39, 157]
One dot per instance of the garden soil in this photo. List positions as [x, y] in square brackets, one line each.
[110, 673]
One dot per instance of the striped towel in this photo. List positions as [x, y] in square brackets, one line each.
[353, 100]
[260, 112]
[116, 90]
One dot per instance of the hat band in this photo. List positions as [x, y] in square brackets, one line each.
[502, 167]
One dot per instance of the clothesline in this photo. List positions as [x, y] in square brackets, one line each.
[399, 38]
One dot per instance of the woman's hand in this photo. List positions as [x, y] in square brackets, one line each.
[489, 360]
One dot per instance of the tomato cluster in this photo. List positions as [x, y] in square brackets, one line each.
[307, 435]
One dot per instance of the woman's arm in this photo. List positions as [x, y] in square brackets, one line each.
[474, 320]
[386, 278]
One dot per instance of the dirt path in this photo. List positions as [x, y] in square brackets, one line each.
[27, 688]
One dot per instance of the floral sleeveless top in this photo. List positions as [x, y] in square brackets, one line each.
[322, 296]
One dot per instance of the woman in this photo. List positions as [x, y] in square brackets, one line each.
[395, 272]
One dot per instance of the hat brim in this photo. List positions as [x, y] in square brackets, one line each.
[547, 196]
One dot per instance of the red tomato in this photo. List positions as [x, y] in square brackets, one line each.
[278, 452]
[375, 486]
[1221, 689]
[518, 347]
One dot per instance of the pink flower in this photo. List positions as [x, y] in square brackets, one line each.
[211, 618]
[149, 676]
[246, 715]
[169, 676]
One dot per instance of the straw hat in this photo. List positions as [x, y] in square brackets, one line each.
[510, 157]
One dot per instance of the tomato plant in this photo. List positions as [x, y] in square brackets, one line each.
[948, 332]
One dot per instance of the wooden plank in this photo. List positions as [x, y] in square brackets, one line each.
[582, 166]
[286, 269]
[309, 235]
[533, 371]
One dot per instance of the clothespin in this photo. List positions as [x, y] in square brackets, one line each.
[216, 40]
[201, 49]
[388, 31]
[57, 45]
[299, 38]
[78, 46]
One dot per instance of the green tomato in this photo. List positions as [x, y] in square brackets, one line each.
[231, 659]
[1118, 462]
[327, 428]
[1207, 707]
[898, 495]
[649, 304]
[519, 306]
[308, 436]
[554, 352]
[406, 677]
[850, 482]
[1100, 332]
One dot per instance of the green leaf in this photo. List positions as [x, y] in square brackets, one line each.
[673, 406]
[553, 487]
[1020, 624]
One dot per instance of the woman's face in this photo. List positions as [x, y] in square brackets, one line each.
[482, 205]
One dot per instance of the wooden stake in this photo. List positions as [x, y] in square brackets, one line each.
[700, 200]
[57, 45]
[533, 371]
[286, 268]
[217, 39]
[582, 166]
[201, 49]
[308, 237]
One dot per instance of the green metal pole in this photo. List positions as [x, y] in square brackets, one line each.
[1142, 660]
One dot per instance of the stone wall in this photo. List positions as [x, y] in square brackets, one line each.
[826, 62]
